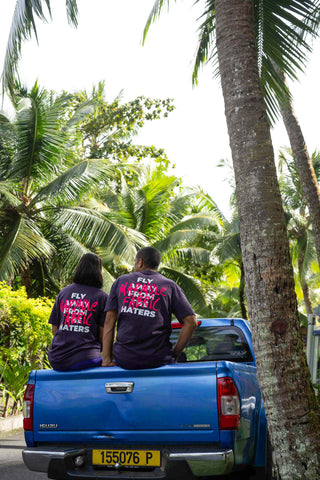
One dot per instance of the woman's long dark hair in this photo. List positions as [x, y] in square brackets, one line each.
[88, 271]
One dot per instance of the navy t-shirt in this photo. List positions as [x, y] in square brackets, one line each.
[78, 312]
[145, 302]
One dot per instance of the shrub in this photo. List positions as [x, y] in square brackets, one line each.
[25, 337]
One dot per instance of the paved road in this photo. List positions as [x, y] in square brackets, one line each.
[11, 463]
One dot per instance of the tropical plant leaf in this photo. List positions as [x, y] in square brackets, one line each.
[22, 26]
[70, 183]
[6, 189]
[97, 230]
[196, 222]
[195, 255]
[191, 288]
[178, 239]
[23, 242]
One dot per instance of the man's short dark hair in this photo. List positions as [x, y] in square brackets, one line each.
[151, 257]
[89, 271]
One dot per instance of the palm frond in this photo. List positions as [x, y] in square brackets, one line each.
[72, 182]
[83, 111]
[72, 12]
[306, 247]
[8, 190]
[196, 255]
[127, 204]
[22, 26]
[204, 202]
[178, 239]
[97, 230]
[206, 50]
[191, 288]
[39, 142]
[23, 242]
[141, 210]
[198, 221]
[283, 31]
[69, 256]
[154, 14]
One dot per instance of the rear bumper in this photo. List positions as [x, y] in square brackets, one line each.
[205, 462]
[61, 462]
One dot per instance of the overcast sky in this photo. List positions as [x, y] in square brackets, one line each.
[107, 46]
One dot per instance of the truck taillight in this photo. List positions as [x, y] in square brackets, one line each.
[28, 407]
[228, 404]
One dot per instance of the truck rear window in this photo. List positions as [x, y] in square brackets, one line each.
[215, 343]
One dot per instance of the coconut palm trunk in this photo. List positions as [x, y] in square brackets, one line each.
[242, 293]
[304, 285]
[290, 402]
[304, 165]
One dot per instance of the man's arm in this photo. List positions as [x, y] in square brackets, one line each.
[108, 336]
[189, 326]
[54, 329]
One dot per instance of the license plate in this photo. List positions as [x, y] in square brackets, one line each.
[138, 458]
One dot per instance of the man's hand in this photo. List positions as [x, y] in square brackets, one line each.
[108, 364]
[189, 325]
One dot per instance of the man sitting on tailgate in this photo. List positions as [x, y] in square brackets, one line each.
[141, 304]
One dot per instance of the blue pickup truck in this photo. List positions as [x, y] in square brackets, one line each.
[201, 417]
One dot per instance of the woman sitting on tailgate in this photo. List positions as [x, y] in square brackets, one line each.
[77, 319]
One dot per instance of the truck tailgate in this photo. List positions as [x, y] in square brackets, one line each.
[97, 406]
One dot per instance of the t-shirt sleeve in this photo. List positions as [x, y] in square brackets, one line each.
[54, 315]
[180, 305]
[112, 303]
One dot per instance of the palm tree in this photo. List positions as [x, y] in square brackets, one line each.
[22, 26]
[304, 164]
[43, 184]
[299, 224]
[269, 276]
[290, 403]
[275, 63]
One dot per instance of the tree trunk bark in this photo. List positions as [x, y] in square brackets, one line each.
[304, 285]
[241, 293]
[304, 165]
[290, 402]
[306, 298]
[26, 279]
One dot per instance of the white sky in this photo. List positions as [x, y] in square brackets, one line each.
[107, 46]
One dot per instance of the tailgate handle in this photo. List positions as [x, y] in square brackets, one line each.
[119, 387]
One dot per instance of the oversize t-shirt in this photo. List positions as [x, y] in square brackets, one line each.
[78, 312]
[145, 302]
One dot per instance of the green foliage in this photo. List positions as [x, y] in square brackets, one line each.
[43, 220]
[107, 132]
[300, 233]
[25, 337]
[25, 334]
[14, 377]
